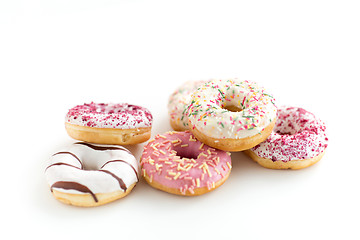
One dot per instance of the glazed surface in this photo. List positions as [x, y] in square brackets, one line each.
[297, 135]
[109, 115]
[85, 168]
[177, 160]
[210, 110]
[179, 101]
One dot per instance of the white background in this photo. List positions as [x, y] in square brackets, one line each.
[55, 54]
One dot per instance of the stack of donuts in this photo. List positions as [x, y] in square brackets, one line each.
[210, 119]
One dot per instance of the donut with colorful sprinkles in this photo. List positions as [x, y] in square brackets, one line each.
[178, 163]
[109, 123]
[231, 115]
[298, 140]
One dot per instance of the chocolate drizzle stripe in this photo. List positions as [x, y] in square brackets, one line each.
[74, 186]
[61, 163]
[70, 153]
[119, 160]
[121, 182]
[102, 148]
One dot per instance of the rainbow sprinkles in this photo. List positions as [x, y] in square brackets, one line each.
[231, 109]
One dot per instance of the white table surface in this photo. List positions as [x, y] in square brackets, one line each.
[57, 54]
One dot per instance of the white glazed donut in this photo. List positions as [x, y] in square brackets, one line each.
[87, 174]
[231, 115]
[109, 123]
[178, 103]
[298, 140]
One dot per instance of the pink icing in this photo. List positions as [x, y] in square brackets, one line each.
[297, 134]
[177, 160]
[108, 115]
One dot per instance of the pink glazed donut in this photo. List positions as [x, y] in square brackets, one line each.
[177, 163]
[298, 140]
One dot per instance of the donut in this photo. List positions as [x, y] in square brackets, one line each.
[231, 115]
[177, 163]
[298, 140]
[88, 175]
[178, 103]
[108, 123]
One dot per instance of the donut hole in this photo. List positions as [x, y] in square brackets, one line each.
[90, 166]
[233, 108]
[185, 152]
[286, 128]
[284, 133]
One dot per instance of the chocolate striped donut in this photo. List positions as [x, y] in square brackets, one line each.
[87, 174]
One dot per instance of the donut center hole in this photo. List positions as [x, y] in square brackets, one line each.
[286, 128]
[185, 152]
[233, 108]
[90, 166]
[283, 133]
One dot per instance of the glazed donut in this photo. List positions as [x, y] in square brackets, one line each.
[89, 175]
[102, 123]
[177, 163]
[231, 115]
[178, 103]
[298, 140]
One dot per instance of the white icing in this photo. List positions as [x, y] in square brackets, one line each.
[179, 101]
[209, 115]
[297, 135]
[93, 160]
[109, 115]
